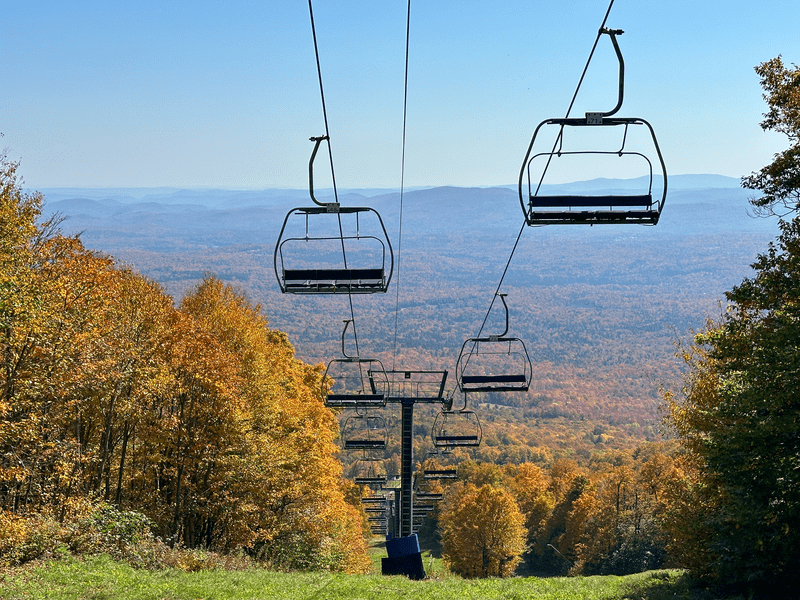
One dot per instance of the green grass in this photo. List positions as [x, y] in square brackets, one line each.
[100, 578]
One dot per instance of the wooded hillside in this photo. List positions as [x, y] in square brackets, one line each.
[598, 308]
[198, 416]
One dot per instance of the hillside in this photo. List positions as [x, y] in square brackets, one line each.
[598, 308]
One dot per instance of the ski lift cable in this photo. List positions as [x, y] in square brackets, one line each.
[322, 98]
[569, 110]
[575, 95]
[330, 157]
[402, 185]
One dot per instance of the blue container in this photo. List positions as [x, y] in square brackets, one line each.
[403, 546]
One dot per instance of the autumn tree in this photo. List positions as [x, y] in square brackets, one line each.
[287, 473]
[621, 520]
[530, 485]
[556, 539]
[739, 413]
[30, 255]
[483, 532]
[199, 417]
[779, 181]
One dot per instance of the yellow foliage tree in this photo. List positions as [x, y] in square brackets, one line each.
[201, 418]
[289, 473]
[483, 531]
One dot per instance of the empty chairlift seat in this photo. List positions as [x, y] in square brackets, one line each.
[433, 496]
[440, 474]
[597, 146]
[354, 382]
[332, 249]
[334, 281]
[364, 432]
[617, 207]
[456, 428]
[343, 252]
[495, 363]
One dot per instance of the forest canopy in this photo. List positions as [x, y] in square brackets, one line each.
[200, 417]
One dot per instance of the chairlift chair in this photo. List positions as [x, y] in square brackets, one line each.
[377, 519]
[355, 382]
[457, 428]
[437, 470]
[440, 474]
[364, 432]
[324, 249]
[368, 472]
[428, 496]
[373, 500]
[638, 208]
[376, 481]
[495, 363]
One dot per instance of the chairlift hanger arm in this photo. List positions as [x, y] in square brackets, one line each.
[613, 33]
[505, 306]
[344, 331]
[317, 141]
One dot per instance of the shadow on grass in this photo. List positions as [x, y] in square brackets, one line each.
[672, 585]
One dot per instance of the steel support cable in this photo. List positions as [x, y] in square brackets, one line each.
[322, 98]
[330, 157]
[402, 185]
[574, 96]
[547, 165]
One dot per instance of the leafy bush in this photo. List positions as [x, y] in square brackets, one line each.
[23, 539]
[108, 529]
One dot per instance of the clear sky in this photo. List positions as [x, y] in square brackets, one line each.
[213, 94]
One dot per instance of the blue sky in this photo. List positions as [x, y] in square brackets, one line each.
[212, 94]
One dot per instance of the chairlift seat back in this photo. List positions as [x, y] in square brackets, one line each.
[334, 281]
[370, 480]
[434, 474]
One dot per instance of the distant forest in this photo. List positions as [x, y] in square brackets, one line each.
[599, 308]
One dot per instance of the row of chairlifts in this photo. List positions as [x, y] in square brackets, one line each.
[641, 207]
[495, 363]
[331, 249]
[379, 511]
[489, 364]
[317, 247]
[311, 252]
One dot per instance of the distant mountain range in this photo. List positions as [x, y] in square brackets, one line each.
[695, 203]
[213, 197]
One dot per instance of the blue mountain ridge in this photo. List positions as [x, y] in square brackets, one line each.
[695, 204]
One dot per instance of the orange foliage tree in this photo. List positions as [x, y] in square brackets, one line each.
[483, 532]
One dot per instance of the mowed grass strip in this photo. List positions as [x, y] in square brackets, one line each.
[100, 578]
